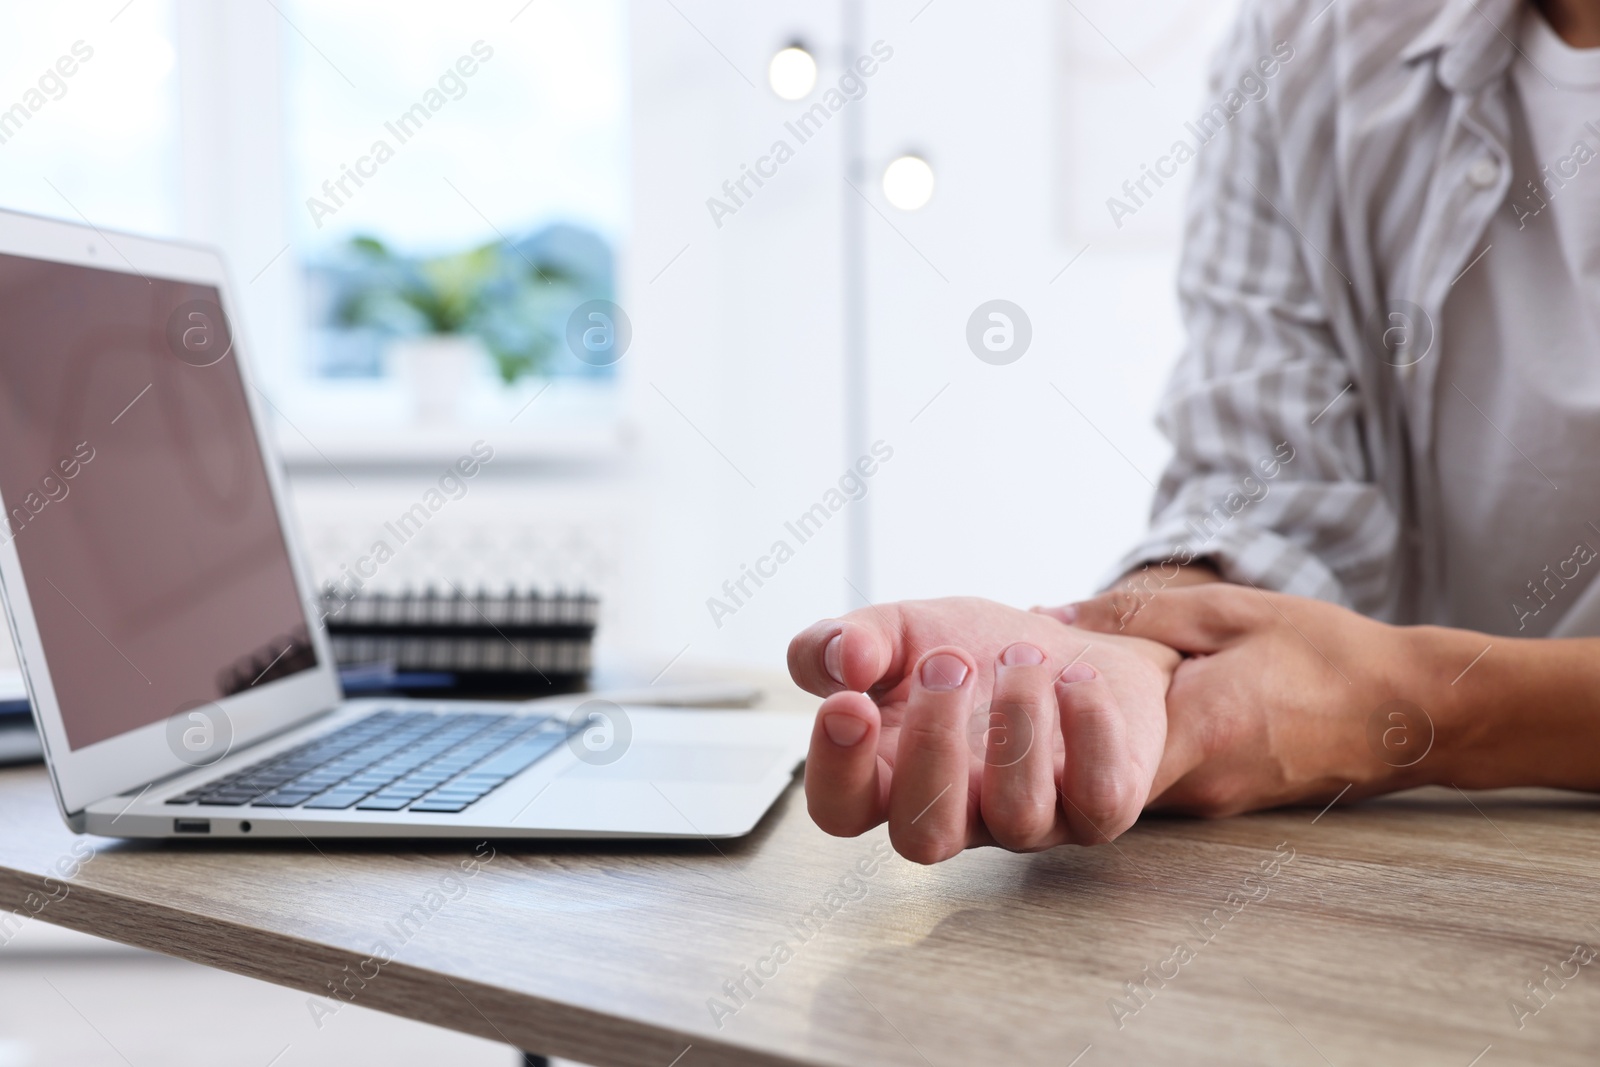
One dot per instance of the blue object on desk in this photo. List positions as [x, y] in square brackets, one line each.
[13, 699]
[377, 678]
[19, 741]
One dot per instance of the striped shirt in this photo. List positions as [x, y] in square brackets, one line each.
[1328, 220]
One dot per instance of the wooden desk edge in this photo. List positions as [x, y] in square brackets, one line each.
[537, 1024]
[534, 1023]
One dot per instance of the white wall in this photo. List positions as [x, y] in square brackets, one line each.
[742, 333]
[1030, 119]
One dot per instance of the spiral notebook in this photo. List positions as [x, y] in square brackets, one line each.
[520, 642]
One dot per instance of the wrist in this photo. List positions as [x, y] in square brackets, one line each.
[1154, 653]
[1444, 678]
[1512, 711]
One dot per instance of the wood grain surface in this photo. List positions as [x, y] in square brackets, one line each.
[1434, 927]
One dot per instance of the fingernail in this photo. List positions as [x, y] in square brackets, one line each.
[1021, 654]
[1078, 672]
[943, 672]
[843, 730]
[833, 657]
[1069, 614]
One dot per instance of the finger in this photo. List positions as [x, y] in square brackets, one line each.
[1101, 791]
[1198, 619]
[847, 655]
[1063, 613]
[846, 786]
[1018, 795]
[929, 818]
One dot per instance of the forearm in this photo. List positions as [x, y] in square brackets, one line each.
[1510, 711]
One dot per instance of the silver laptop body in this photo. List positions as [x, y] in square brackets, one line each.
[148, 566]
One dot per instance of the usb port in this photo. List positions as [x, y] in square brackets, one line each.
[191, 826]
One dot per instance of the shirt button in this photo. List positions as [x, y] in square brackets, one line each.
[1484, 173]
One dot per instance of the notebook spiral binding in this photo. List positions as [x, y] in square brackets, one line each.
[430, 607]
[519, 640]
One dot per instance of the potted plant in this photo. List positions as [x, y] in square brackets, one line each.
[444, 314]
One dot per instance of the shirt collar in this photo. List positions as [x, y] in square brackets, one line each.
[1473, 39]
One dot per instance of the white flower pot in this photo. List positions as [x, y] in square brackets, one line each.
[437, 368]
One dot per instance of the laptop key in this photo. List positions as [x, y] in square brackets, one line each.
[382, 804]
[333, 801]
[283, 800]
[457, 789]
[522, 755]
[396, 791]
[440, 807]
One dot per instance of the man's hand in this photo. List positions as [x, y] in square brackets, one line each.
[1284, 699]
[1066, 751]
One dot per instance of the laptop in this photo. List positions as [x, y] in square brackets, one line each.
[149, 567]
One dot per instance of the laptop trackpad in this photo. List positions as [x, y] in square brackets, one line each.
[737, 765]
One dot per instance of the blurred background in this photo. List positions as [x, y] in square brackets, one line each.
[401, 303]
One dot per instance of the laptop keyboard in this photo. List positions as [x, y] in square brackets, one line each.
[391, 761]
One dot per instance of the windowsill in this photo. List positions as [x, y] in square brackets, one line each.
[328, 427]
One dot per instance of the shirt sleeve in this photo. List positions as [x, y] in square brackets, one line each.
[1269, 478]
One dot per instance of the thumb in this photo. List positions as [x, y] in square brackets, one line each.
[1197, 619]
[850, 654]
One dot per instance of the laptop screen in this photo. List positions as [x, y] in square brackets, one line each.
[136, 494]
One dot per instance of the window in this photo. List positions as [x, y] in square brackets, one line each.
[417, 134]
[89, 91]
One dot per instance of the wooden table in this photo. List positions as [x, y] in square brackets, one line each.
[1399, 931]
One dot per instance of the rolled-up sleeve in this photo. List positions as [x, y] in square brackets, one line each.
[1269, 479]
